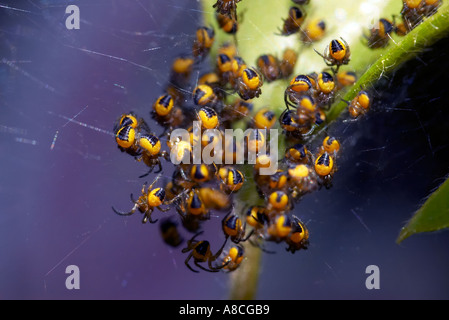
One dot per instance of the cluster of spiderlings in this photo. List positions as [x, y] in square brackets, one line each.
[196, 190]
[134, 137]
[412, 14]
[310, 95]
[300, 172]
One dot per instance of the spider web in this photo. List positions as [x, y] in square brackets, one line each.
[62, 90]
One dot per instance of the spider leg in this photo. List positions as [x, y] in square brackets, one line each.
[138, 157]
[163, 209]
[160, 167]
[166, 133]
[176, 198]
[291, 249]
[191, 242]
[322, 56]
[196, 235]
[281, 33]
[186, 249]
[328, 63]
[167, 203]
[144, 187]
[181, 207]
[248, 236]
[147, 217]
[227, 215]
[287, 104]
[121, 213]
[308, 133]
[152, 221]
[154, 182]
[310, 157]
[146, 174]
[144, 125]
[211, 269]
[283, 112]
[214, 257]
[165, 155]
[348, 49]
[187, 262]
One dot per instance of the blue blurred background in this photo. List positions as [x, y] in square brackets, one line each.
[59, 177]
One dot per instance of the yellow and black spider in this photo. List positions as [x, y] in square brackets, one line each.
[337, 53]
[268, 65]
[359, 105]
[150, 199]
[299, 86]
[234, 229]
[200, 252]
[299, 236]
[249, 84]
[314, 31]
[233, 258]
[293, 22]
[204, 40]
[380, 35]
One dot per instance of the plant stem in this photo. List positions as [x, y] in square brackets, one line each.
[244, 281]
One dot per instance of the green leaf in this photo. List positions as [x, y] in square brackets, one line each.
[432, 216]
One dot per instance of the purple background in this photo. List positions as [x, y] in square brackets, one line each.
[56, 203]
